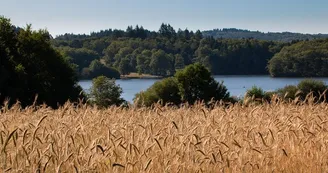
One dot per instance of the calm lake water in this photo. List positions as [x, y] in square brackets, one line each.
[237, 85]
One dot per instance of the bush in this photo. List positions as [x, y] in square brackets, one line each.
[309, 85]
[289, 92]
[305, 87]
[165, 91]
[105, 92]
[268, 95]
[255, 92]
[258, 95]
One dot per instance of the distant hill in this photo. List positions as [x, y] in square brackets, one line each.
[270, 36]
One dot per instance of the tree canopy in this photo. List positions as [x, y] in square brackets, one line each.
[29, 66]
[105, 92]
[164, 52]
[306, 58]
[270, 36]
[196, 83]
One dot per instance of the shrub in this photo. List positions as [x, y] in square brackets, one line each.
[255, 92]
[165, 91]
[105, 92]
[310, 85]
[268, 95]
[289, 92]
[258, 95]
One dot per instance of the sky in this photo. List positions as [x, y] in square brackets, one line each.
[85, 16]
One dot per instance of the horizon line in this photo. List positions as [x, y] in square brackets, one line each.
[194, 30]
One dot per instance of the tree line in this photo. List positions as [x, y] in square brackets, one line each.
[164, 52]
[270, 36]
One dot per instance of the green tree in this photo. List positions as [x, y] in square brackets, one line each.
[142, 64]
[196, 83]
[105, 92]
[96, 69]
[179, 62]
[124, 66]
[97, 45]
[166, 30]
[160, 63]
[33, 67]
[81, 57]
[165, 91]
[193, 83]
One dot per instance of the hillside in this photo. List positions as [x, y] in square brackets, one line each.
[162, 53]
[305, 58]
[270, 36]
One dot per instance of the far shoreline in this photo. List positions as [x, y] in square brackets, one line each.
[140, 76]
[149, 76]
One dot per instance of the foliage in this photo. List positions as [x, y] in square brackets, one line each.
[105, 92]
[270, 36]
[306, 58]
[305, 87]
[162, 53]
[81, 57]
[309, 85]
[223, 52]
[289, 92]
[193, 83]
[96, 69]
[165, 91]
[257, 95]
[196, 83]
[29, 66]
[255, 92]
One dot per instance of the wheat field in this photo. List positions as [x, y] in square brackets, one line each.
[276, 137]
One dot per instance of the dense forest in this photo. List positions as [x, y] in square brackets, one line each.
[270, 36]
[306, 58]
[162, 53]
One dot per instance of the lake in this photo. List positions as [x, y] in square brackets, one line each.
[237, 85]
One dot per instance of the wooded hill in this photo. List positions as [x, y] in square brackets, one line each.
[162, 53]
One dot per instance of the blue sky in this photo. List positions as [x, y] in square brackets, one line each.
[84, 16]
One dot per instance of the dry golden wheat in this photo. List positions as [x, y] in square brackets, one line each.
[276, 137]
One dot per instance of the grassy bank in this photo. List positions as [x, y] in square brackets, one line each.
[280, 137]
[140, 76]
